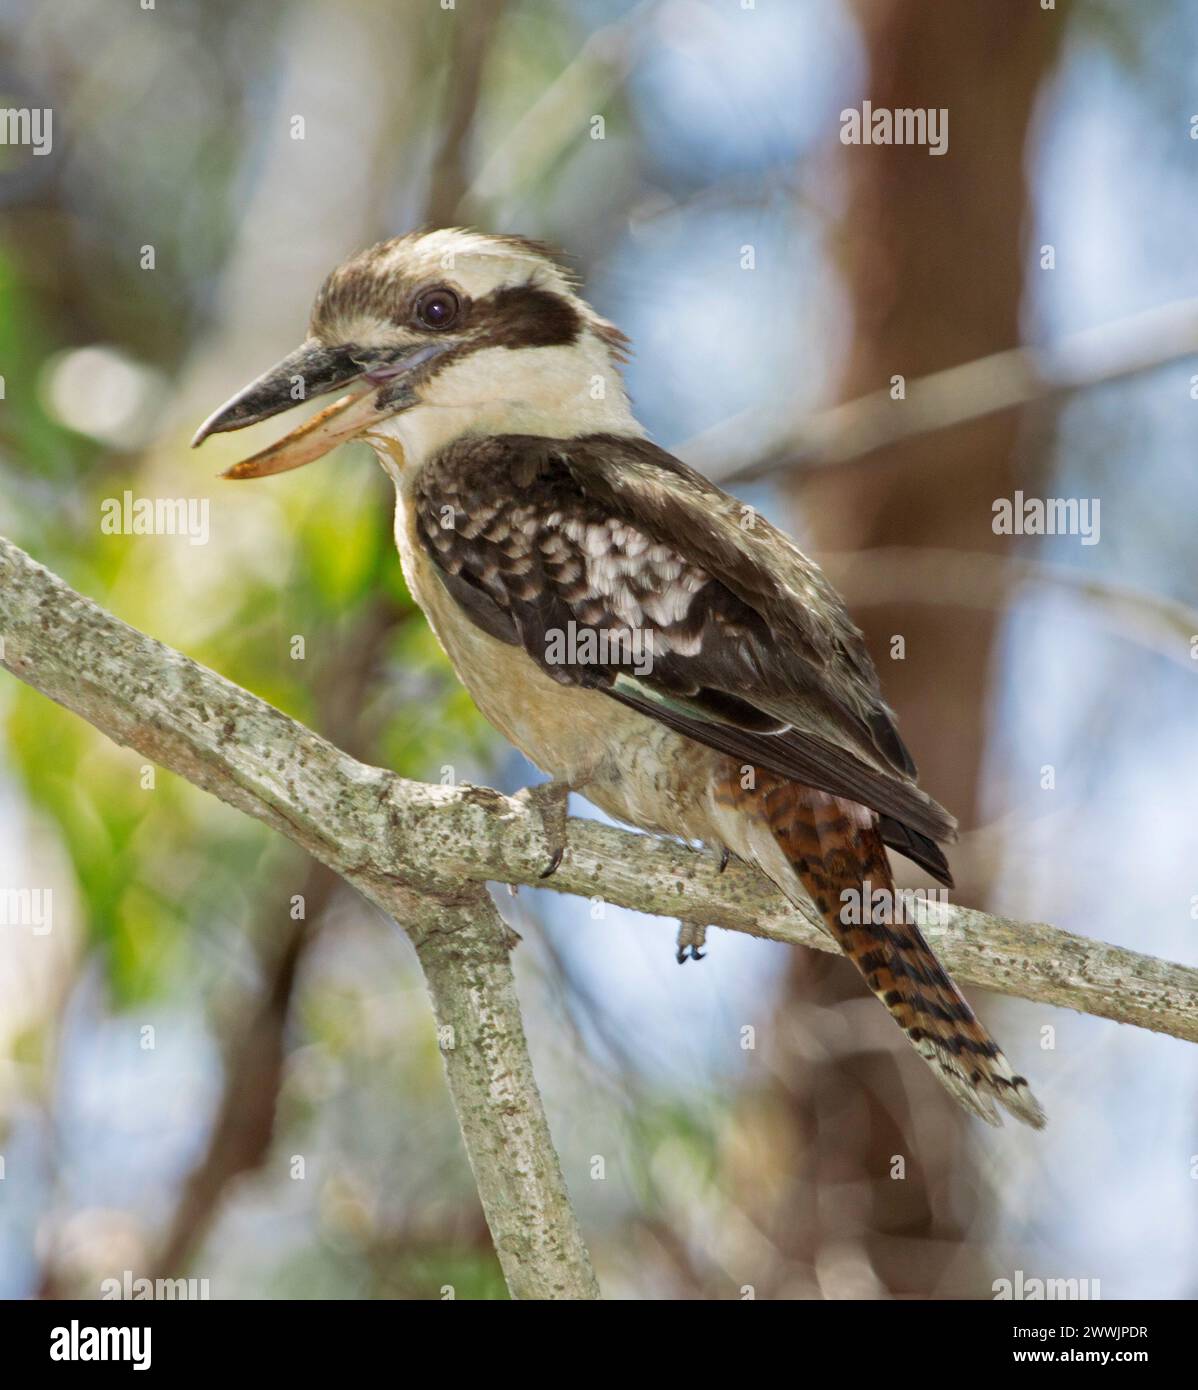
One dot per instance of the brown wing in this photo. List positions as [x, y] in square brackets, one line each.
[585, 551]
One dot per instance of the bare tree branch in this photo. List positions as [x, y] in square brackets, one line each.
[421, 853]
[750, 445]
[473, 43]
[186, 718]
[465, 950]
[889, 574]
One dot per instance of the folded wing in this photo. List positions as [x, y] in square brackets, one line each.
[618, 568]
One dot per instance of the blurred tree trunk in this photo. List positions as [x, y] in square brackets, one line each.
[934, 258]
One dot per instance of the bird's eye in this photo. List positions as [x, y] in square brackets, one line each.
[437, 308]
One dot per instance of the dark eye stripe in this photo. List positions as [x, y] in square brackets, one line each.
[521, 316]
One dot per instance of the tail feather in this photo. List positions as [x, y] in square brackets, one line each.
[835, 849]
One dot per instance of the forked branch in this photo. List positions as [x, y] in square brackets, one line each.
[422, 854]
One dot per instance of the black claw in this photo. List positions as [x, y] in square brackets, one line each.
[680, 955]
[554, 863]
[725, 855]
[696, 954]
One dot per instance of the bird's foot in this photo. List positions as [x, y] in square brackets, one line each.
[692, 936]
[551, 801]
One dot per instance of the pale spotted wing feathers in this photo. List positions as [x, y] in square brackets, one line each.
[512, 525]
[617, 568]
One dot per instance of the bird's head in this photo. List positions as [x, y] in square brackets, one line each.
[433, 336]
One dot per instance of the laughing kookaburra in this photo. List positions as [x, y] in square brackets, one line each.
[640, 635]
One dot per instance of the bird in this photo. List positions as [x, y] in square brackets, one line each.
[643, 637]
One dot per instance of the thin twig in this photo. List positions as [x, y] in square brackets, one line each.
[889, 574]
[560, 114]
[750, 445]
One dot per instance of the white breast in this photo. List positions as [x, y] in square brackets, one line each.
[629, 765]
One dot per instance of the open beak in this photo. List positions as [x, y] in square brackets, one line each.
[380, 382]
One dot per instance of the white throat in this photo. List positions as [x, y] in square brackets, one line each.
[557, 392]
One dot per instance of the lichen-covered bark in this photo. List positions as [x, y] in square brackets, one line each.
[220, 737]
[465, 954]
[422, 854]
[385, 834]
[382, 832]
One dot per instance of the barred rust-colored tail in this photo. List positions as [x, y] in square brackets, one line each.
[834, 847]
